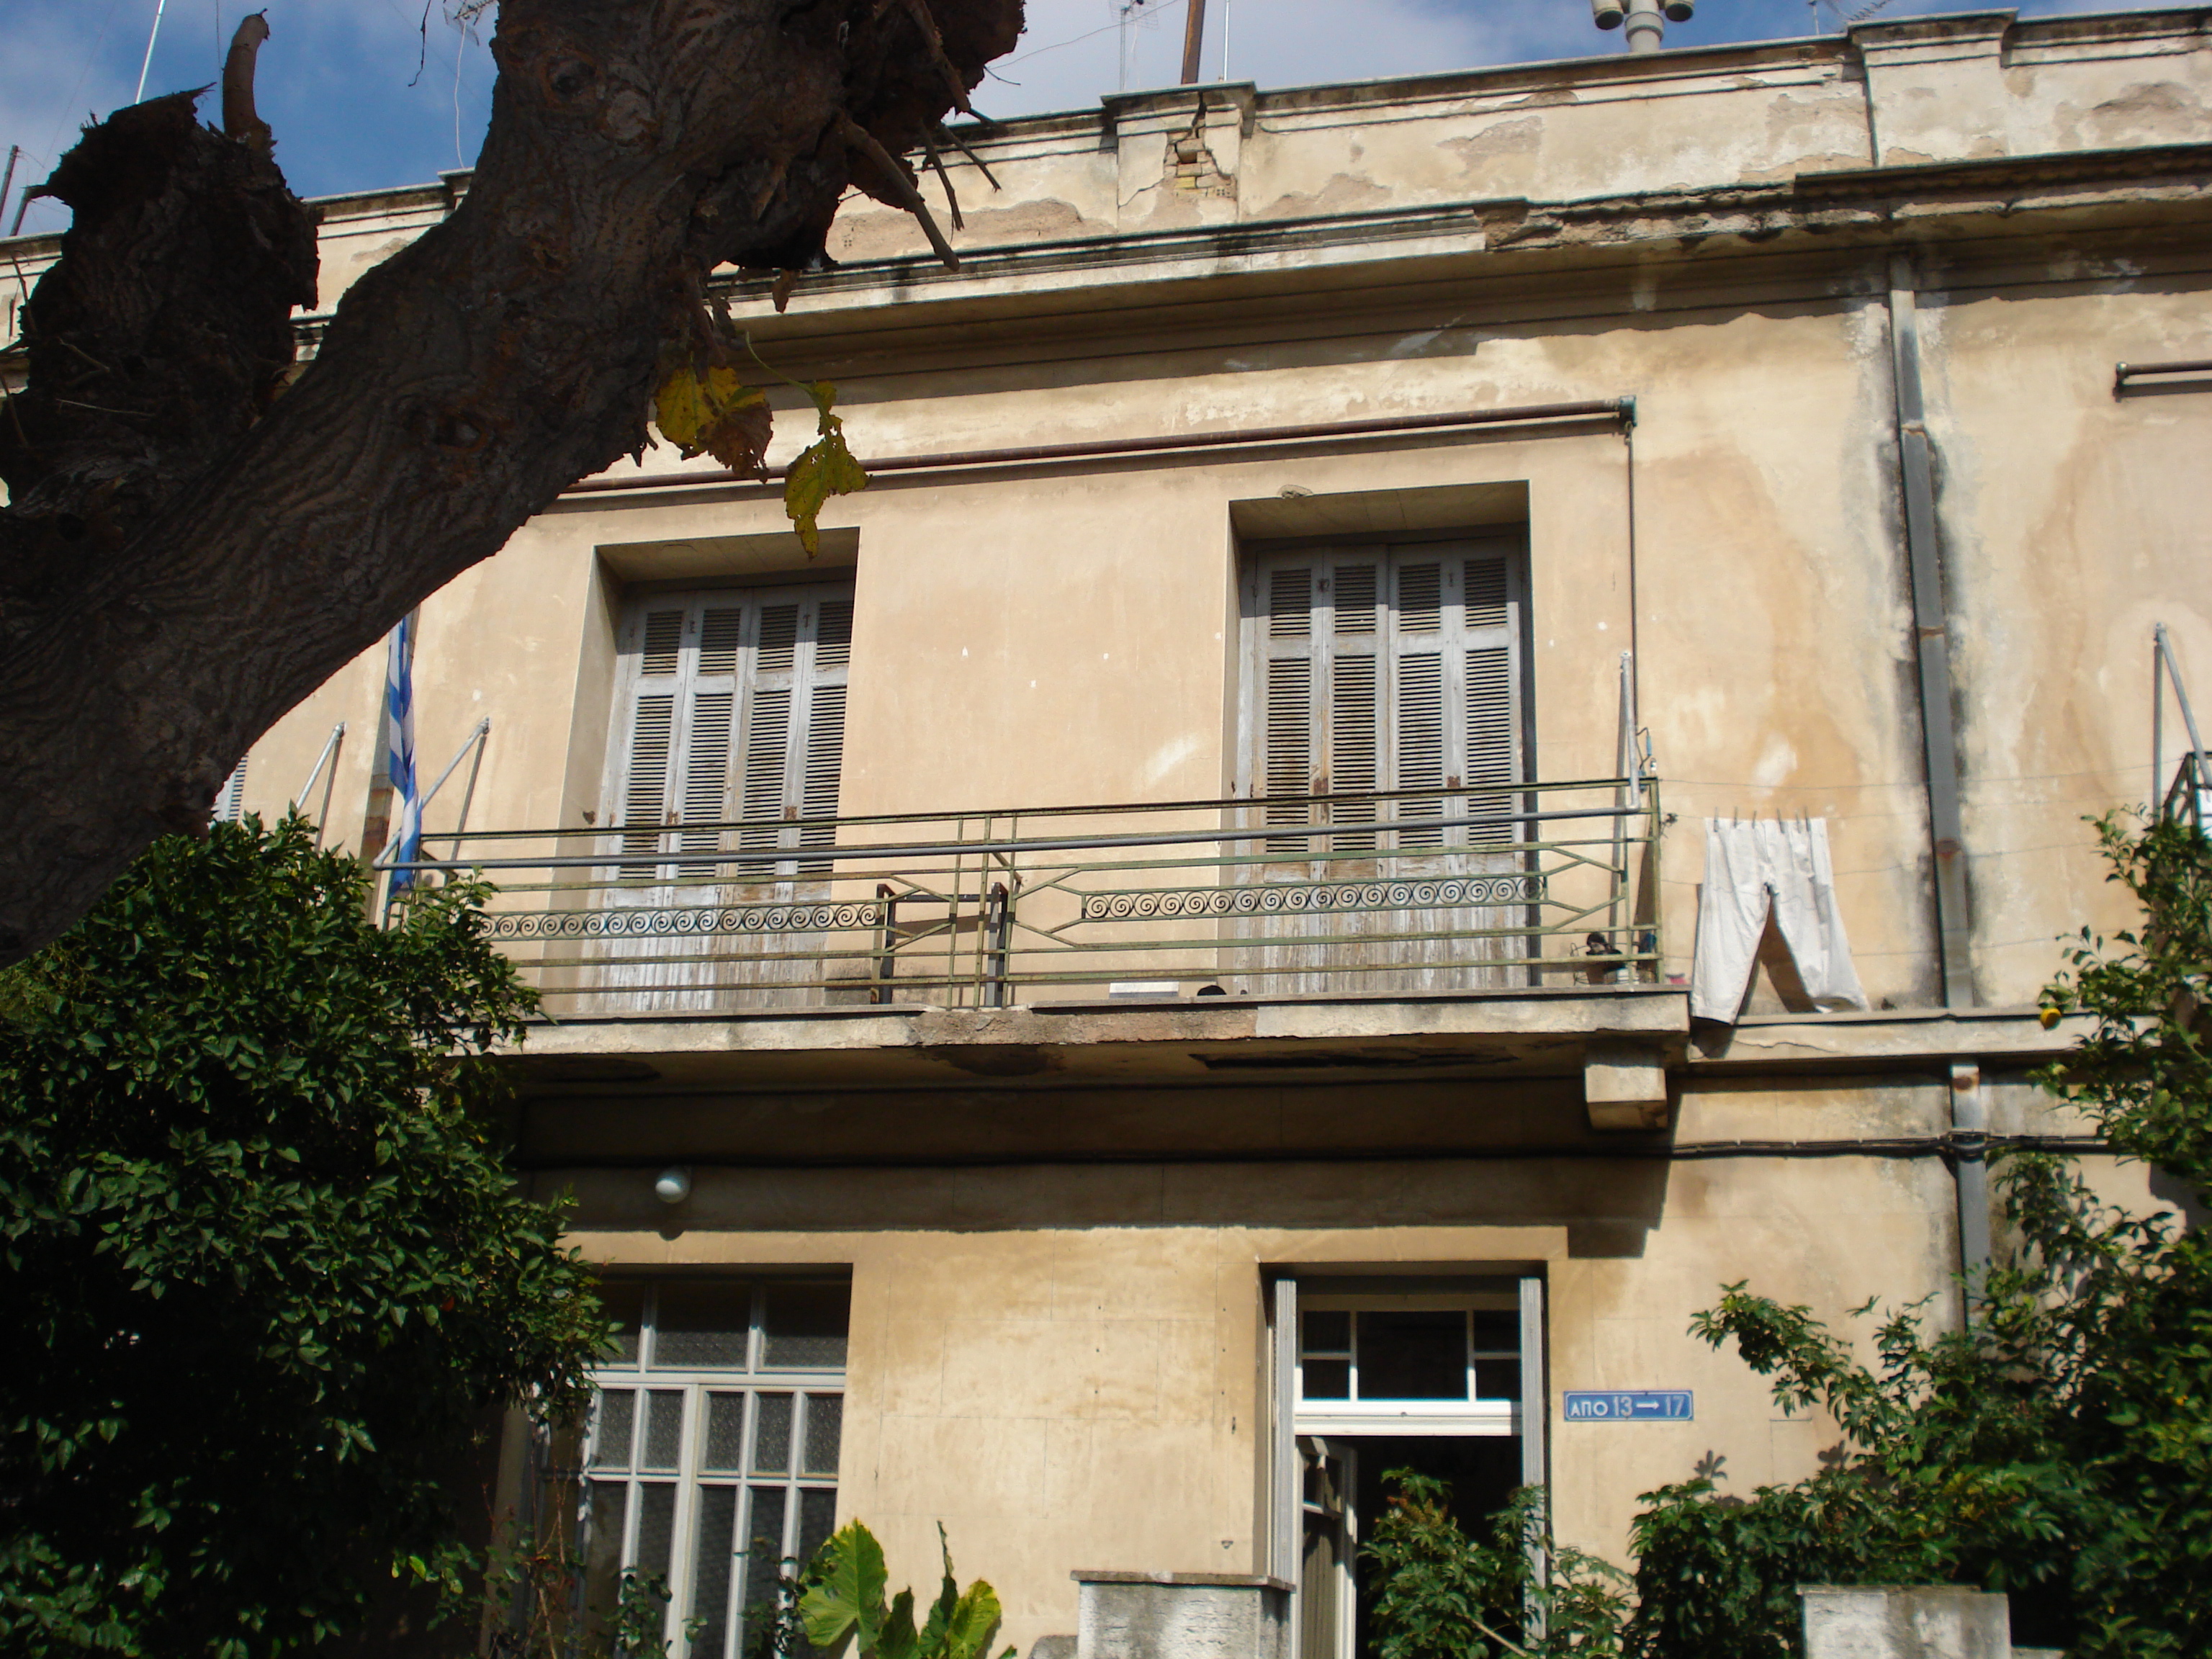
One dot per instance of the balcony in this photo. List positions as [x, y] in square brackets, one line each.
[1396, 894]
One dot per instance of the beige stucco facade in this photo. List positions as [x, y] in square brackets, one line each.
[1063, 1216]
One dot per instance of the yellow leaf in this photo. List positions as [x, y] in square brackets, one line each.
[825, 468]
[688, 403]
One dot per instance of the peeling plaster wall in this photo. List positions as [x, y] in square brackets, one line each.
[1981, 84]
[1063, 1363]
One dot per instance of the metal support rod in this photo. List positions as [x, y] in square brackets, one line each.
[330, 782]
[2124, 373]
[330, 748]
[152, 35]
[886, 963]
[1621, 411]
[7, 179]
[1625, 795]
[2157, 717]
[1001, 922]
[469, 794]
[1931, 641]
[2164, 643]
[483, 730]
[959, 850]
[1970, 1125]
[1646, 28]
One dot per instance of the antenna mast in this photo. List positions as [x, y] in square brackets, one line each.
[152, 35]
[1194, 37]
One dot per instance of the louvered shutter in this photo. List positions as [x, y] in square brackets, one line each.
[822, 768]
[1383, 669]
[1492, 632]
[1420, 724]
[765, 788]
[230, 800]
[1359, 728]
[1289, 651]
[650, 733]
[735, 710]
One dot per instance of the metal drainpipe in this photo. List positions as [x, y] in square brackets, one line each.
[1646, 28]
[1970, 1123]
[1932, 645]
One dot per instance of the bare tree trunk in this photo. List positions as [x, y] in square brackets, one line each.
[634, 145]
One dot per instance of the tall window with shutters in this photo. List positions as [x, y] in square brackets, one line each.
[1386, 667]
[732, 712]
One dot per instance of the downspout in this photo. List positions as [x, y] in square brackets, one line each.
[1931, 645]
[1970, 1126]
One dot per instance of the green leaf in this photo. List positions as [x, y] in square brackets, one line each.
[897, 1639]
[974, 1618]
[848, 1591]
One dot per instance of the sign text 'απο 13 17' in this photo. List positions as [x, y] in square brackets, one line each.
[1629, 1406]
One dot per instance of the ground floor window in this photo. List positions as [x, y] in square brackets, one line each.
[1442, 1377]
[712, 1454]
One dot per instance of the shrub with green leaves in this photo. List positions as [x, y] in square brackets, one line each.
[1439, 1594]
[2060, 1449]
[265, 1279]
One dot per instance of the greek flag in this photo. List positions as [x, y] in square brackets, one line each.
[405, 841]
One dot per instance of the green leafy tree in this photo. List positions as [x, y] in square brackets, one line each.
[2060, 1449]
[1437, 1595]
[264, 1276]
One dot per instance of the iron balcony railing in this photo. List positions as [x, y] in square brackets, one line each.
[1380, 893]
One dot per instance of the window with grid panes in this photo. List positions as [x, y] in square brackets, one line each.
[1375, 667]
[712, 1455]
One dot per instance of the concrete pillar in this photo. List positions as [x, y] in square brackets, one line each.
[1182, 1615]
[1895, 1621]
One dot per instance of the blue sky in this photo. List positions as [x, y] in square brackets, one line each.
[360, 102]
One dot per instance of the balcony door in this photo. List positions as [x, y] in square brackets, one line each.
[727, 748]
[1385, 718]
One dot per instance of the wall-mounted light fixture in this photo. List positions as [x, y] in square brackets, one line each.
[673, 1184]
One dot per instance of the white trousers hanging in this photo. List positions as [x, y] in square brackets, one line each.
[1750, 870]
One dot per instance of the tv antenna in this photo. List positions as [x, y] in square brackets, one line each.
[1132, 14]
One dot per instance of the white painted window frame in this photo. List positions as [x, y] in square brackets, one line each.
[691, 1477]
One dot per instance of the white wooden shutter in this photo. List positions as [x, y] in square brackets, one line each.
[1385, 668]
[1358, 724]
[1288, 649]
[735, 710]
[1492, 632]
[823, 764]
[649, 732]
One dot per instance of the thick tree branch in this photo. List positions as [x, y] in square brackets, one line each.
[634, 145]
[240, 120]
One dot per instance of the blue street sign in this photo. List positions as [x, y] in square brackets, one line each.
[1630, 1405]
